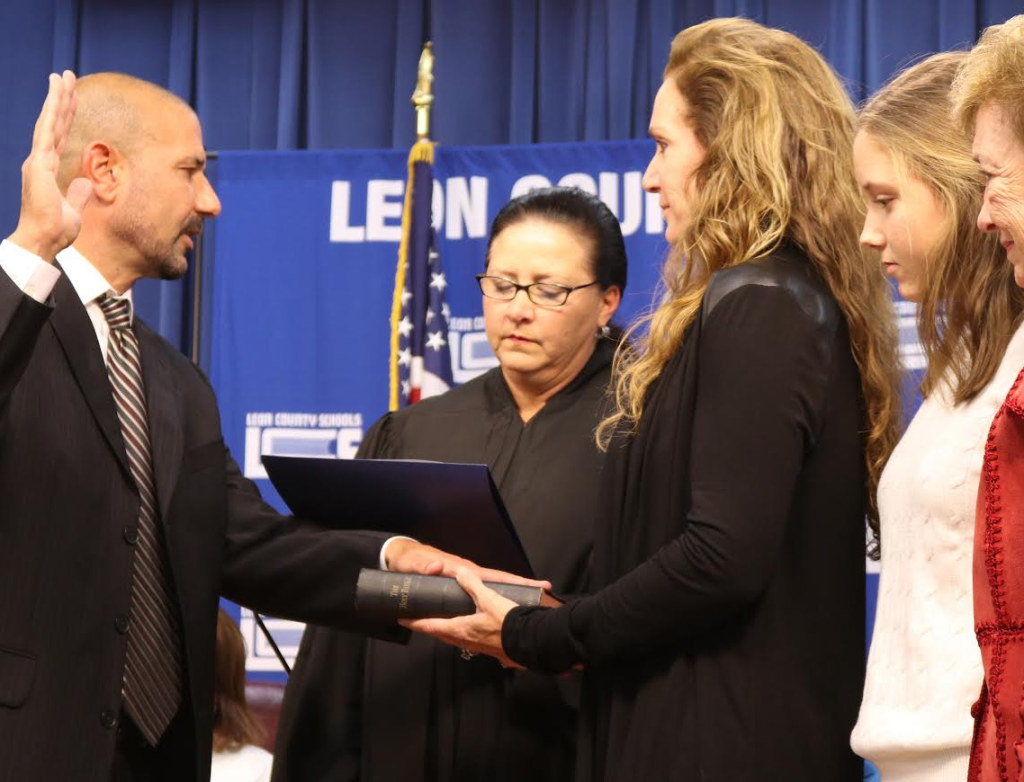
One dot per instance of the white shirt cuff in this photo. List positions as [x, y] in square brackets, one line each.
[28, 271]
[384, 549]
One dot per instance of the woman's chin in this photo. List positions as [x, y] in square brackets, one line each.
[520, 364]
[1018, 273]
[909, 292]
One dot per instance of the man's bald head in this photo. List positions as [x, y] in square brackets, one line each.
[117, 109]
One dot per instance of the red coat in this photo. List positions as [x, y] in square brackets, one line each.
[997, 753]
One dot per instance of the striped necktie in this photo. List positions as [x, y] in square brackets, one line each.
[152, 675]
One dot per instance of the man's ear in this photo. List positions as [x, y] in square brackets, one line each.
[105, 167]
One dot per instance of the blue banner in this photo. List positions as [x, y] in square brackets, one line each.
[304, 273]
[303, 276]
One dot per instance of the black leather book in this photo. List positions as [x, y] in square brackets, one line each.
[386, 596]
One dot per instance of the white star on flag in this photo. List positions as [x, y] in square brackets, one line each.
[435, 341]
[405, 357]
[405, 326]
[438, 281]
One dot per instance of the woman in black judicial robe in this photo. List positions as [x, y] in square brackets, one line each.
[724, 640]
[378, 711]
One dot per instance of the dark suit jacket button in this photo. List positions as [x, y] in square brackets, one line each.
[108, 718]
[131, 535]
[121, 623]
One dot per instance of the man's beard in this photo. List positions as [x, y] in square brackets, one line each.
[170, 267]
[162, 260]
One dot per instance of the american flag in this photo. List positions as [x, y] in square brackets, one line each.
[421, 363]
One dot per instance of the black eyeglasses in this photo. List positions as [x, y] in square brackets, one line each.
[543, 294]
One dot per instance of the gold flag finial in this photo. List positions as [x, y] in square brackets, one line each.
[423, 95]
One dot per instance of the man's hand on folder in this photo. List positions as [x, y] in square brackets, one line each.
[408, 556]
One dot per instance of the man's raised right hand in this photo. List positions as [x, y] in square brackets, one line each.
[50, 220]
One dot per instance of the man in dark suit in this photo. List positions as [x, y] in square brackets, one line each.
[122, 515]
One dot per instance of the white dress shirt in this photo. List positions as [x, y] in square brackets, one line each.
[37, 278]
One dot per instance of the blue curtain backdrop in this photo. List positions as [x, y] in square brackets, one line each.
[317, 74]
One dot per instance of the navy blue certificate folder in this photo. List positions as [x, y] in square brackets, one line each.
[455, 507]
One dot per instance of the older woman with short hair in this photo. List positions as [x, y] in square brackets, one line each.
[373, 711]
[988, 99]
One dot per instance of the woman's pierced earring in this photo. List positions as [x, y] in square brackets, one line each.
[603, 332]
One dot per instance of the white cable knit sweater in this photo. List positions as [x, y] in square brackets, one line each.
[924, 667]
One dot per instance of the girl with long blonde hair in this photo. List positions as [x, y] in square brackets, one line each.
[923, 192]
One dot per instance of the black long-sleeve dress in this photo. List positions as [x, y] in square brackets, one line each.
[383, 712]
[727, 642]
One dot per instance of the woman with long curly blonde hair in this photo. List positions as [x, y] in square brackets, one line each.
[754, 415]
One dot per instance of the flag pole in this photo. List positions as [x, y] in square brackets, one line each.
[421, 152]
[423, 95]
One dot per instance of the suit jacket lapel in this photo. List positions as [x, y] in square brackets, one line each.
[77, 337]
[163, 399]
